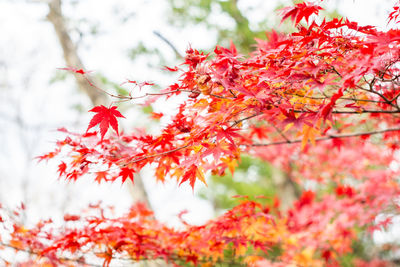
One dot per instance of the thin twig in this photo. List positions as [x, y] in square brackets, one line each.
[342, 98]
[246, 118]
[331, 136]
[281, 133]
[159, 35]
[157, 155]
[351, 111]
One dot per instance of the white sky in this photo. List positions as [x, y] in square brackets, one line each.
[29, 55]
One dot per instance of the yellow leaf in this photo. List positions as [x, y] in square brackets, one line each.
[200, 175]
[308, 133]
[292, 241]
[197, 148]
[232, 163]
[177, 173]
[240, 250]
[287, 127]
[202, 103]
[252, 260]
[305, 257]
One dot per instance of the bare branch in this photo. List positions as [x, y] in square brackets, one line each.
[97, 95]
[162, 37]
[327, 137]
[70, 51]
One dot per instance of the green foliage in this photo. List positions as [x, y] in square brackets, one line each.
[359, 251]
[251, 178]
[197, 12]
[58, 76]
[112, 85]
[142, 50]
[147, 109]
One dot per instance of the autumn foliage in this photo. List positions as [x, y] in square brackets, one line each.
[321, 104]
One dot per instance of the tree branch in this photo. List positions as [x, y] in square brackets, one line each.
[177, 54]
[90, 87]
[70, 51]
[331, 136]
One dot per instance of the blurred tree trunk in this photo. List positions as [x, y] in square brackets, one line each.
[96, 96]
[285, 187]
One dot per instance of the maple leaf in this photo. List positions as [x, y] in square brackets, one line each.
[126, 173]
[101, 176]
[230, 163]
[395, 14]
[337, 142]
[61, 168]
[105, 117]
[300, 11]
[47, 156]
[156, 116]
[305, 199]
[191, 174]
[229, 134]
[308, 133]
[107, 257]
[79, 71]
[342, 190]
[72, 175]
[294, 120]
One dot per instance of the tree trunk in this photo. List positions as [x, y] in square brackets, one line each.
[285, 188]
[96, 96]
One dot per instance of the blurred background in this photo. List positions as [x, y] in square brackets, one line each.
[120, 40]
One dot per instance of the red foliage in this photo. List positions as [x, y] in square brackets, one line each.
[105, 118]
[321, 104]
[395, 14]
[300, 11]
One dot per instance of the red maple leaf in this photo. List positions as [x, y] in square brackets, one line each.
[191, 174]
[79, 71]
[62, 168]
[105, 117]
[342, 190]
[395, 14]
[305, 199]
[300, 11]
[126, 173]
